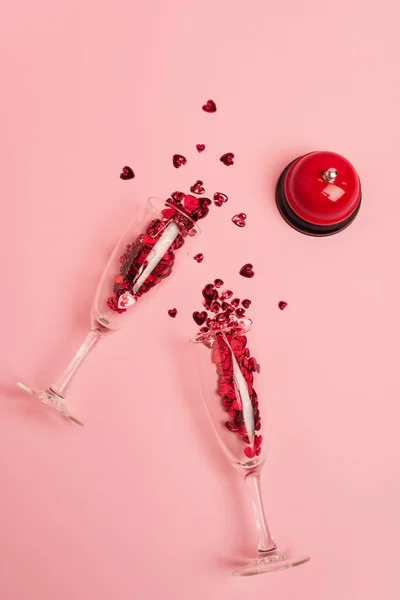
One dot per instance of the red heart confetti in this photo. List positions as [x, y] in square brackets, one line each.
[240, 312]
[200, 147]
[178, 160]
[118, 278]
[218, 283]
[199, 317]
[226, 295]
[246, 302]
[247, 271]
[209, 106]
[127, 173]
[227, 159]
[197, 188]
[282, 305]
[172, 312]
[235, 302]
[220, 198]
[239, 219]
[198, 257]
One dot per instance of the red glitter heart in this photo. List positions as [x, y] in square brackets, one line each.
[227, 159]
[240, 312]
[247, 271]
[197, 188]
[282, 305]
[209, 106]
[218, 283]
[200, 147]
[178, 160]
[226, 295]
[199, 257]
[246, 302]
[127, 173]
[172, 312]
[239, 219]
[220, 198]
[235, 302]
[199, 317]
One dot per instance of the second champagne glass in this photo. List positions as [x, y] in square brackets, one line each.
[144, 256]
[228, 375]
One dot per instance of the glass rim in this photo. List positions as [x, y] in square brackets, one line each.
[168, 203]
[202, 337]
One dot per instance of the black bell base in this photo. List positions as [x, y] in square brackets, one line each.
[299, 224]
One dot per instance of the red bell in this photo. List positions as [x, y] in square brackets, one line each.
[319, 193]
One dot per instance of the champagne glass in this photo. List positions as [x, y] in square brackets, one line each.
[228, 375]
[144, 256]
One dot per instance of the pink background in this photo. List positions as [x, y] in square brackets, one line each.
[140, 503]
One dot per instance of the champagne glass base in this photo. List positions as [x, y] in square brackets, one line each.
[273, 561]
[51, 399]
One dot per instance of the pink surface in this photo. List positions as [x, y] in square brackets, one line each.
[140, 503]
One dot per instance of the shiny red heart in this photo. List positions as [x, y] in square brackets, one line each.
[178, 160]
[198, 188]
[199, 317]
[127, 173]
[227, 159]
[246, 302]
[220, 198]
[200, 147]
[209, 106]
[198, 257]
[218, 283]
[247, 271]
[282, 305]
[239, 219]
[172, 312]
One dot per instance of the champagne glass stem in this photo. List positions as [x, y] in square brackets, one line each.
[253, 484]
[60, 386]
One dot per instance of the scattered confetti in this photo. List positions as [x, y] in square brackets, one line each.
[282, 305]
[227, 159]
[200, 317]
[218, 283]
[198, 257]
[220, 198]
[246, 303]
[247, 271]
[209, 106]
[178, 160]
[127, 173]
[172, 312]
[197, 188]
[239, 219]
[200, 147]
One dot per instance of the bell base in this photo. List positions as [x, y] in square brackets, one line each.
[299, 224]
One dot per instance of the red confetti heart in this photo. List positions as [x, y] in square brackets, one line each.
[246, 302]
[218, 283]
[247, 271]
[118, 278]
[235, 302]
[172, 312]
[220, 198]
[200, 147]
[240, 312]
[178, 160]
[199, 257]
[239, 219]
[226, 295]
[250, 452]
[227, 159]
[209, 106]
[199, 317]
[282, 305]
[127, 173]
[197, 188]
